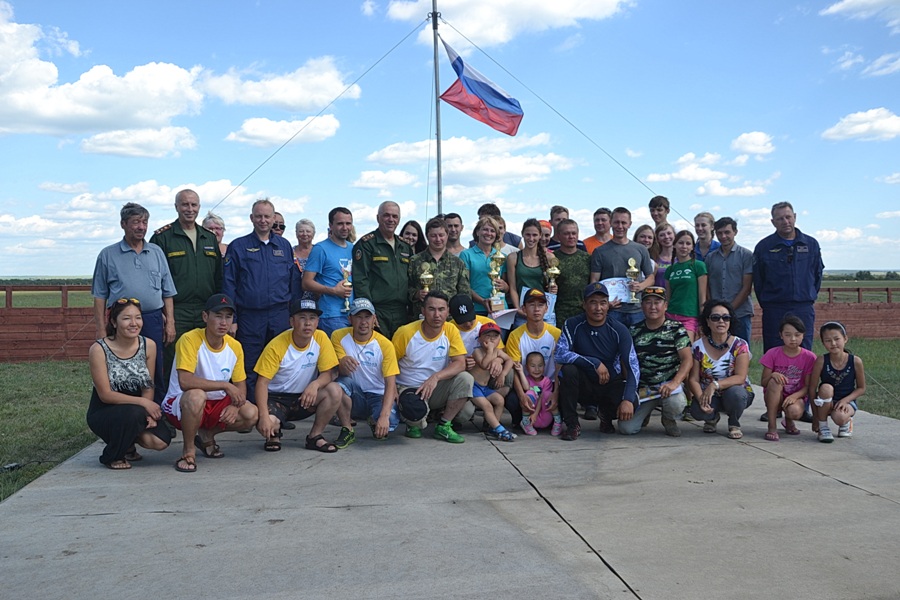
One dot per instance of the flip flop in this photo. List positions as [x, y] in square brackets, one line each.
[735, 433]
[189, 461]
[119, 465]
[209, 449]
[132, 455]
[792, 430]
[772, 436]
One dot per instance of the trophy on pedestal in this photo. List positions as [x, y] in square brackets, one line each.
[632, 273]
[426, 278]
[552, 271]
[345, 271]
[495, 302]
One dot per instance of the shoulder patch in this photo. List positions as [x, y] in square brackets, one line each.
[367, 237]
[163, 228]
[358, 254]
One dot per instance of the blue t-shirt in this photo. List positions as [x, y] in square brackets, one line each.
[326, 260]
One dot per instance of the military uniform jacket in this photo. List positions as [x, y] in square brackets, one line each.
[197, 273]
[381, 272]
[451, 276]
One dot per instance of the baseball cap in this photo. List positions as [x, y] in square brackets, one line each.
[305, 305]
[489, 327]
[412, 407]
[595, 288]
[462, 309]
[218, 302]
[536, 295]
[654, 291]
[361, 304]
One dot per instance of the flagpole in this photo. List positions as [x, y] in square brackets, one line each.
[437, 105]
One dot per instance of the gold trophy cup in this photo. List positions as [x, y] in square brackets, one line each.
[495, 302]
[632, 273]
[345, 271]
[552, 271]
[426, 278]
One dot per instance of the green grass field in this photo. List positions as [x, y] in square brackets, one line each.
[77, 299]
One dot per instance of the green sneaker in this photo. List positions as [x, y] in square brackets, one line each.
[444, 431]
[347, 437]
[413, 432]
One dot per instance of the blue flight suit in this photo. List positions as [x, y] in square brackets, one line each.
[787, 275]
[261, 279]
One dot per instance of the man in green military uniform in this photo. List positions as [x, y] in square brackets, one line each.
[448, 273]
[381, 270]
[196, 265]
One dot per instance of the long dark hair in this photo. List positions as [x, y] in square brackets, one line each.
[707, 310]
[421, 243]
[541, 250]
[115, 310]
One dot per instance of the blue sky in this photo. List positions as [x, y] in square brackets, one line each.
[727, 107]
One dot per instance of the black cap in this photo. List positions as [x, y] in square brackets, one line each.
[462, 309]
[412, 407]
[595, 288]
[218, 302]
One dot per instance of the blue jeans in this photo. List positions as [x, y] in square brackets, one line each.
[732, 402]
[367, 404]
[153, 329]
[331, 324]
[742, 327]
[771, 322]
[671, 409]
[626, 319]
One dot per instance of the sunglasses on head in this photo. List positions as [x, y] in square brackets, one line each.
[128, 301]
[725, 318]
[278, 226]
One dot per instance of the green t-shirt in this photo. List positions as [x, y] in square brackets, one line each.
[684, 294]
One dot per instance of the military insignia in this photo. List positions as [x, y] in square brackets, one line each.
[367, 237]
[278, 252]
[209, 253]
[358, 254]
[380, 259]
[176, 253]
[252, 249]
[163, 228]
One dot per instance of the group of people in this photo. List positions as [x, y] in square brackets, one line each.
[406, 328]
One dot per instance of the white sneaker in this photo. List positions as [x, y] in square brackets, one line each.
[825, 435]
[846, 430]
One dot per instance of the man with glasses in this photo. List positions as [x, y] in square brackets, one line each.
[381, 269]
[133, 268]
[195, 262]
[261, 278]
[328, 270]
[787, 275]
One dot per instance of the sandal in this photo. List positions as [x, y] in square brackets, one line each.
[710, 426]
[772, 436]
[790, 430]
[735, 433]
[272, 445]
[132, 455]
[326, 447]
[187, 460]
[209, 449]
[119, 465]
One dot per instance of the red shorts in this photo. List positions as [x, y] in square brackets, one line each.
[212, 412]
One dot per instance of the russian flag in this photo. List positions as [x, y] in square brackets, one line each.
[481, 98]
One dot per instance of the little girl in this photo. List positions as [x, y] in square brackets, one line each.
[837, 381]
[539, 389]
[785, 377]
[686, 285]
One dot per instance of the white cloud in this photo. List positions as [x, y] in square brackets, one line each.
[570, 43]
[633, 153]
[754, 142]
[848, 60]
[384, 181]
[263, 132]
[368, 8]
[871, 125]
[312, 86]
[740, 160]
[885, 10]
[893, 178]
[844, 235]
[149, 143]
[715, 188]
[709, 158]
[64, 188]
[492, 23]
[883, 65]
[692, 169]
[893, 214]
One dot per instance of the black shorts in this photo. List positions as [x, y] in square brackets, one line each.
[286, 407]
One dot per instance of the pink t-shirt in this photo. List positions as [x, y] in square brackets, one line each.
[794, 369]
[541, 417]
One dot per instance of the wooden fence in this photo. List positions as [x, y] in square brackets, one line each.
[66, 333]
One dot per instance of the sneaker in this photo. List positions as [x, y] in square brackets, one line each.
[606, 426]
[528, 428]
[571, 433]
[671, 427]
[846, 430]
[346, 437]
[501, 434]
[686, 414]
[590, 413]
[372, 425]
[825, 435]
[413, 432]
[556, 429]
[444, 431]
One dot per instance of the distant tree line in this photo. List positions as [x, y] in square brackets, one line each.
[868, 276]
[47, 281]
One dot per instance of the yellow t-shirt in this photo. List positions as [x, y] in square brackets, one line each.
[193, 354]
[377, 358]
[521, 343]
[290, 368]
[419, 357]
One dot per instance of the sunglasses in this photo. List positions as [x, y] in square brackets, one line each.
[715, 318]
[128, 301]
[655, 290]
[278, 226]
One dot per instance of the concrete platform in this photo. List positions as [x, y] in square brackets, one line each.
[651, 517]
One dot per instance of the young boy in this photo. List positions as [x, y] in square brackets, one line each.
[489, 400]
